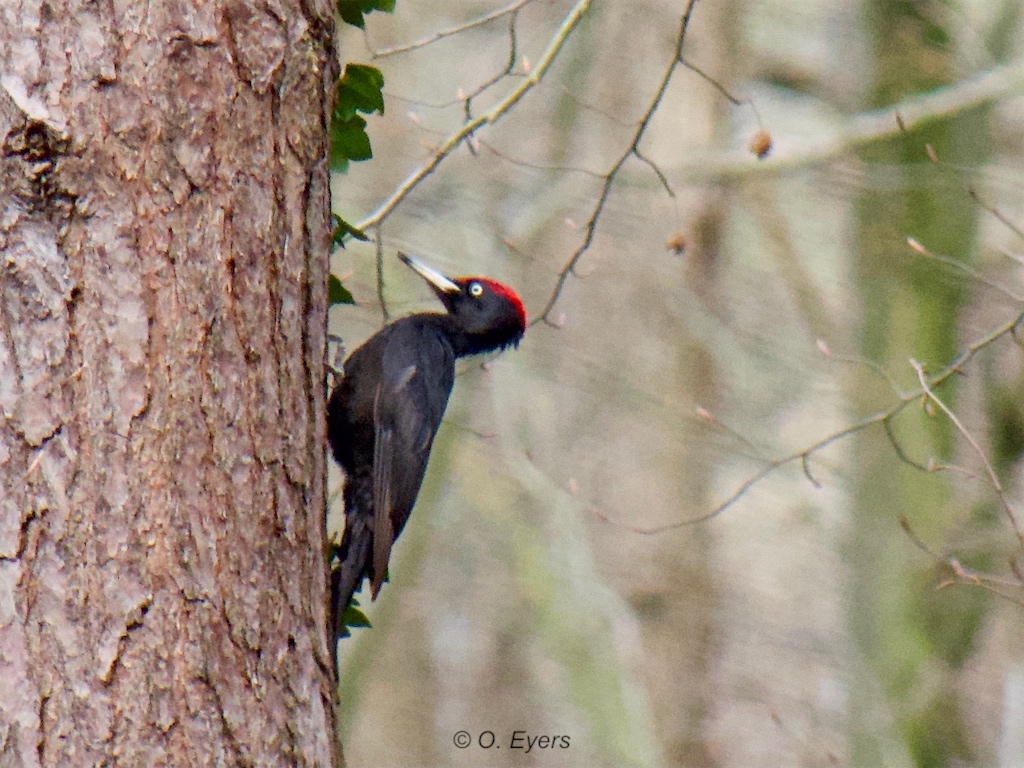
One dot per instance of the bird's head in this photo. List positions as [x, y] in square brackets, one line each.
[490, 313]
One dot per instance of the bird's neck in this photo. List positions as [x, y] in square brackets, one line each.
[463, 342]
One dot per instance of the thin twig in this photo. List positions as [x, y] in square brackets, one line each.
[917, 247]
[805, 464]
[537, 166]
[734, 100]
[872, 366]
[429, 39]
[989, 469]
[657, 171]
[898, 447]
[607, 114]
[707, 417]
[510, 65]
[737, 102]
[464, 99]
[964, 575]
[1001, 217]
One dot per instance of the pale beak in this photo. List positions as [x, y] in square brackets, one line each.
[442, 285]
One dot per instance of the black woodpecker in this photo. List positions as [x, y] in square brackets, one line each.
[383, 415]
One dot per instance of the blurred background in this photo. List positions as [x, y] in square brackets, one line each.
[863, 607]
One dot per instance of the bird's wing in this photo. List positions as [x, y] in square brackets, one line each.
[383, 527]
[417, 377]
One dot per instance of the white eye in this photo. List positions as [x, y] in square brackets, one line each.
[475, 290]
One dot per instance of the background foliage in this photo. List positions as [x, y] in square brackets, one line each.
[723, 337]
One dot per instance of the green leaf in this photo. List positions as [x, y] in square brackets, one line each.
[353, 617]
[338, 293]
[360, 89]
[352, 11]
[349, 142]
[343, 229]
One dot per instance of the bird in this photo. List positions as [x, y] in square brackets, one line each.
[383, 415]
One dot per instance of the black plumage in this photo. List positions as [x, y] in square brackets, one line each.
[383, 415]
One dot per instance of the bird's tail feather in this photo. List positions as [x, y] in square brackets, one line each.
[354, 555]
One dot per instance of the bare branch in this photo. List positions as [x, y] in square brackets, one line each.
[379, 244]
[860, 130]
[880, 417]
[609, 179]
[494, 114]
[867, 128]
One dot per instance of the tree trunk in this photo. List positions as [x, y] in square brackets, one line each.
[164, 225]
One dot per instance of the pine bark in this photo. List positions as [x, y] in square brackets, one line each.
[164, 231]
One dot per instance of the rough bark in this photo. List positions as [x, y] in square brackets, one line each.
[164, 236]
